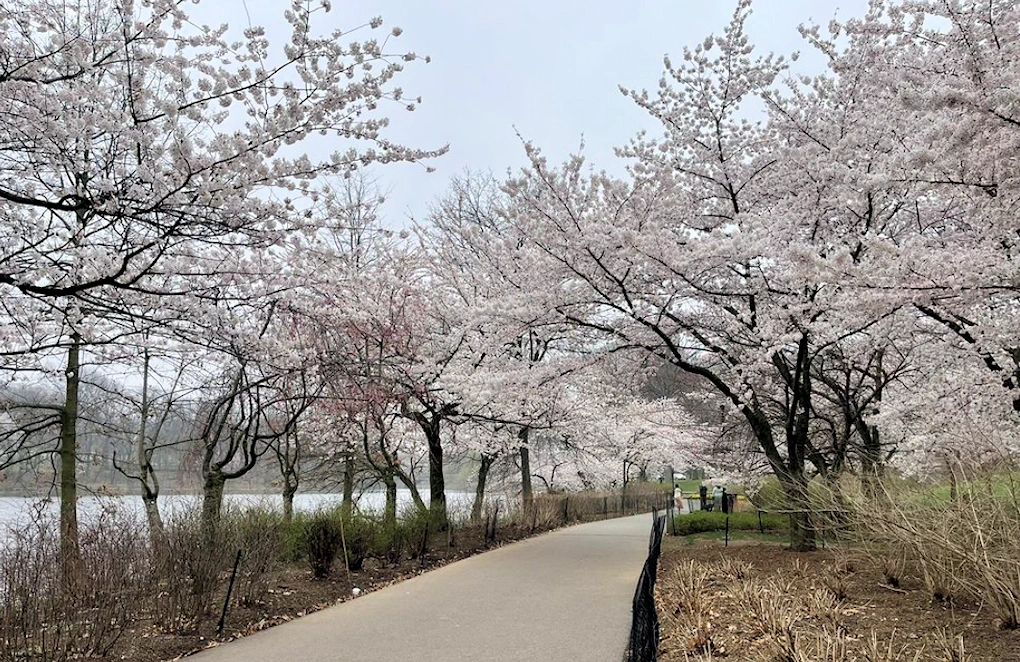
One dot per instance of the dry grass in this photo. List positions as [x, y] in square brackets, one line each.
[828, 606]
[964, 546]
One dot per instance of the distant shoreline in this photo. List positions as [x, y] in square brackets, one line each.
[197, 492]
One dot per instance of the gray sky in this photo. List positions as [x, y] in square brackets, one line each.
[550, 68]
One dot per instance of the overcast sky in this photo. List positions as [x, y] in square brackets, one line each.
[549, 68]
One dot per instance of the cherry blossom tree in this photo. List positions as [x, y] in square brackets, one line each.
[519, 355]
[727, 253]
[946, 68]
[137, 148]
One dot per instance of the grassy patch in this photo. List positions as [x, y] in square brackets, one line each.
[688, 485]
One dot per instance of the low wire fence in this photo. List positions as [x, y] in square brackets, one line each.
[592, 506]
[644, 630]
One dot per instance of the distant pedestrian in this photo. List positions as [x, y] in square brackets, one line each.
[717, 496]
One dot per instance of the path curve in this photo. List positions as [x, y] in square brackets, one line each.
[563, 595]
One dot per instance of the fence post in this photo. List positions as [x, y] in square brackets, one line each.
[761, 529]
[230, 589]
[727, 531]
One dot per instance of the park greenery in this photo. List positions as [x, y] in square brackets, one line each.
[806, 283]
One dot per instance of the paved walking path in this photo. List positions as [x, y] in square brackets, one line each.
[563, 595]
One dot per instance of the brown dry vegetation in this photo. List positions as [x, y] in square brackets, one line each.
[137, 622]
[293, 591]
[758, 602]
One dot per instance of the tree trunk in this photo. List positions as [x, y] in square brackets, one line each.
[212, 503]
[872, 462]
[437, 483]
[347, 505]
[390, 510]
[483, 475]
[802, 532]
[69, 457]
[152, 515]
[150, 490]
[409, 483]
[289, 490]
[527, 494]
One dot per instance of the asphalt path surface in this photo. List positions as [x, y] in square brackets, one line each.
[561, 596]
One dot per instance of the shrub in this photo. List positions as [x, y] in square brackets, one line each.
[705, 521]
[54, 611]
[186, 568]
[548, 511]
[293, 547]
[687, 615]
[359, 534]
[257, 533]
[770, 496]
[963, 544]
[322, 541]
[414, 531]
[388, 544]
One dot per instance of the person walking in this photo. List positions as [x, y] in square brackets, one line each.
[717, 495]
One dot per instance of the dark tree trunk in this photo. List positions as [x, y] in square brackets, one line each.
[527, 494]
[212, 503]
[437, 483]
[430, 422]
[69, 457]
[802, 531]
[872, 460]
[390, 510]
[954, 488]
[483, 475]
[289, 490]
[152, 515]
[791, 474]
[347, 505]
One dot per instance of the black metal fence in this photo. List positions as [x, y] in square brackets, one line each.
[644, 629]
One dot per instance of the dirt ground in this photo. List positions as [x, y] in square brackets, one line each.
[293, 593]
[758, 602]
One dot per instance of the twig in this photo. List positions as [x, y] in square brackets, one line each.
[892, 588]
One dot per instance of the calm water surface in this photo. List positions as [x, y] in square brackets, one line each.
[17, 511]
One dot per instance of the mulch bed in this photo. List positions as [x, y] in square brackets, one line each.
[907, 615]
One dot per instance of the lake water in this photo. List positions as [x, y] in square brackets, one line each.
[16, 511]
